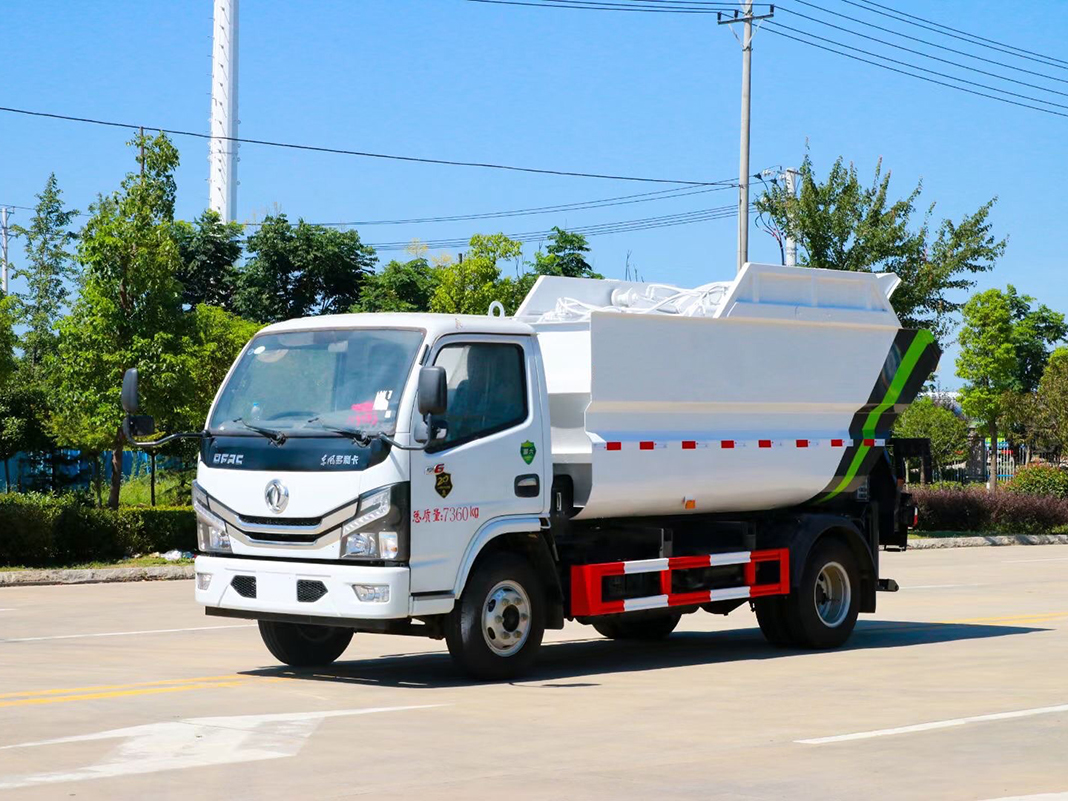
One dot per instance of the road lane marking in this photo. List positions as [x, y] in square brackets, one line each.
[938, 724]
[60, 699]
[1008, 618]
[8, 609]
[122, 633]
[192, 743]
[102, 687]
[1047, 559]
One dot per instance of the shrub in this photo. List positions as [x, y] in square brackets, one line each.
[1040, 479]
[989, 513]
[37, 529]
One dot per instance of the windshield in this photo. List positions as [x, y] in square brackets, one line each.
[301, 382]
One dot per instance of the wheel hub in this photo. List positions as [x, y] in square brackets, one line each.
[832, 594]
[506, 618]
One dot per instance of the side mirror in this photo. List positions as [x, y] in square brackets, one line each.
[129, 391]
[433, 391]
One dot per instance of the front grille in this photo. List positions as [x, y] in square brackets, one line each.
[270, 536]
[281, 522]
[244, 585]
[310, 591]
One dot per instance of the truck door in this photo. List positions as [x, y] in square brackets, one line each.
[492, 462]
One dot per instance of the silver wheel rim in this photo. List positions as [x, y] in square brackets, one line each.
[506, 618]
[832, 594]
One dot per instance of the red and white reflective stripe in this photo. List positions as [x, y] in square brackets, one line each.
[728, 444]
[587, 581]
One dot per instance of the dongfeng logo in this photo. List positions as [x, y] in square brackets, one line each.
[276, 495]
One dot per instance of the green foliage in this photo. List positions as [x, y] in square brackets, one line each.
[172, 489]
[947, 432]
[470, 285]
[1053, 396]
[209, 250]
[564, 255]
[49, 267]
[41, 530]
[400, 287]
[1005, 344]
[129, 310]
[841, 224]
[1040, 479]
[302, 270]
[7, 339]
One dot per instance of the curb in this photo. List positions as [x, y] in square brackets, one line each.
[992, 539]
[95, 575]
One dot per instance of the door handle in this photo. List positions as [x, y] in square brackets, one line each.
[528, 486]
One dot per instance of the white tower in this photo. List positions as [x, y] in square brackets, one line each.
[222, 153]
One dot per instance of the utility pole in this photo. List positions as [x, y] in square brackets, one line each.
[790, 178]
[3, 245]
[746, 18]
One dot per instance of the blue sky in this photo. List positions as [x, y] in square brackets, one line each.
[640, 94]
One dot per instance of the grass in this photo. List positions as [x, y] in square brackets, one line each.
[136, 561]
[137, 490]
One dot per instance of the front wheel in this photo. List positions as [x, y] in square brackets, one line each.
[304, 646]
[495, 629]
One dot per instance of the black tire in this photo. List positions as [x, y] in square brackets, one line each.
[304, 646]
[643, 627]
[771, 616]
[809, 624]
[480, 629]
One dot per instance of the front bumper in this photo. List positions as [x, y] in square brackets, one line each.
[276, 589]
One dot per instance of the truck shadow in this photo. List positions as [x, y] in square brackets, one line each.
[568, 664]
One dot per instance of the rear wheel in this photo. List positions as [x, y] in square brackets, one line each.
[304, 646]
[644, 627]
[771, 616]
[495, 629]
[822, 611]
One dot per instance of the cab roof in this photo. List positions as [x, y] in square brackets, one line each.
[434, 324]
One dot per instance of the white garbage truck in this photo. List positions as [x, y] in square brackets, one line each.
[619, 454]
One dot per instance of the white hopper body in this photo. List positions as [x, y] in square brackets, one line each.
[763, 398]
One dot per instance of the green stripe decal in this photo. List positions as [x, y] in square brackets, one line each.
[904, 371]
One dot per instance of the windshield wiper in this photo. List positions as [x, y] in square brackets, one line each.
[277, 437]
[360, 437]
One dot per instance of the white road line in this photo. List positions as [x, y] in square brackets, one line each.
[938, 724]
[1048, 559]
[1039, 797]
[8, 609]
[122, 633]
[939, 586]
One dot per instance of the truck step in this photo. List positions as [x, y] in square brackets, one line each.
[587, 581]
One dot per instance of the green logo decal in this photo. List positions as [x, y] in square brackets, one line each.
[528, 451]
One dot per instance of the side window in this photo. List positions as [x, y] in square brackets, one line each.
[487, 390]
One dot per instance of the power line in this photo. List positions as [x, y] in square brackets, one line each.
[929, 55]
[624, 226]
[941, 28]
[921, 69]
[624, 200]
[360, 153]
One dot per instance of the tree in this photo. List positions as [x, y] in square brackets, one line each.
[1002, 340]
[470, 285]
[947, 432]
[22, 417]
[400, 287]
[49, 268]
[1053, 396]
[129, 311]
[8, 339]
[841, 224]
[296, 271]
[564, 255]
[209, 250]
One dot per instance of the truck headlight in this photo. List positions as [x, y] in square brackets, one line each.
[211, 530]
[380, 528]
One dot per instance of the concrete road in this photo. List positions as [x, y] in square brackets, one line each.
[957, 689]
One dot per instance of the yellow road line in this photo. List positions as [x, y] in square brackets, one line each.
[100, 687]
[118, 693]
